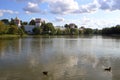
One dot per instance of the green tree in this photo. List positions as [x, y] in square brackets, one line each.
[67, 31]
[13, 29]
[59, 32]
[24, 23]
[69, 26]
[32, 22]
[20, 32]
[76, 26]
[106, 31]
[88, 31]
[74, 31]
[12, 22]
[5, 21]
[80, 32]
[96, 31]
[48, 28]
[117, 29]
[3, 28]
[23, 28]
[111, 30]
[66, 26]
[37, 30]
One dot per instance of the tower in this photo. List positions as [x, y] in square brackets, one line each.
[38, 22]
[17, 22]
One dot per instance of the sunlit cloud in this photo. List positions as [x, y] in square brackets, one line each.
[31, 8]
[59, 19]
[3, 11]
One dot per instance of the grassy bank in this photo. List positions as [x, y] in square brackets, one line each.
[11, 36]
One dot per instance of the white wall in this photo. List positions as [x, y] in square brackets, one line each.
[37, 24]
[29, 28]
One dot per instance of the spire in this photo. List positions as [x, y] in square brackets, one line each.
[16, 18]
[17, 21]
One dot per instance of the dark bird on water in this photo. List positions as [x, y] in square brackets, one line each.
[45, 73]
[108, 69]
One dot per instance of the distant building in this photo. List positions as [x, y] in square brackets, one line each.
[38, 22]
[82, 28]
[29, 28]
[17, 22]
[72, 25]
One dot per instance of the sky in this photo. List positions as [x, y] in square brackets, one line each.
[87, 13]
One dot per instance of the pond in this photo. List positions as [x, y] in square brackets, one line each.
[62, 57]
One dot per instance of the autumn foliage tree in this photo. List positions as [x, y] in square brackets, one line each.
[13, 29]
[3, 28]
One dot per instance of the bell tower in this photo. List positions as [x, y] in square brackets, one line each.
[17, 21]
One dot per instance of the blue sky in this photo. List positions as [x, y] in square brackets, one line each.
[88, 13]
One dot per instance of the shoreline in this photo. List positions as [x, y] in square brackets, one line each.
[4, 36]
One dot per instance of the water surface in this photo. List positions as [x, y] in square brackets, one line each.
[64, 57]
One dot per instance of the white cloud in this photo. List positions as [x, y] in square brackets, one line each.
[71, 6]
[55, 6]
[89, 8]
[31, 8]
[104, 4]
[99, 4]
[1, 14]
[8, 11]
[109, 4]
[116, 5]
[31, 5]
[85, 20]
[3, 11]
[97, 23]
[62, 6]
[59, 19]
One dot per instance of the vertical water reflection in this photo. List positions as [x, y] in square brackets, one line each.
[116, 68]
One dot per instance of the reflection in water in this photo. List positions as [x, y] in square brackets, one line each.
[5, 46]
[116, 68]
[64, 58]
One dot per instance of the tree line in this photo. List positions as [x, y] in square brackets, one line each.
[9, 27]
[48, 28]
[111, 30]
